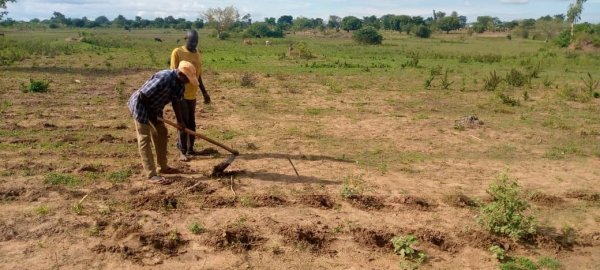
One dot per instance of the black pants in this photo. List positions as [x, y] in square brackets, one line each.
[185, 142]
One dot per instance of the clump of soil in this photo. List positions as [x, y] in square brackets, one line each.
[436, 238]
[584, 195]
[309, 237]
[90, 168]
[108, 139]
[366, 202]
[154, 202]
[199, 188]
[373, 238]
[125, 251]
[317, 200]
[269, 200]
[546, 200]
[7, 232]
[460, 200]
[166, 243]
[11, 194]
[414, 202]
[483, 240]
[217, 202]
[236, 237]
[470, 121]
[123, 227]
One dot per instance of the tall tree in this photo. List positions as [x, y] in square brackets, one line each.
[221, 19]
[3, 7]
[351, 23]
[574, 13]
[334, 21]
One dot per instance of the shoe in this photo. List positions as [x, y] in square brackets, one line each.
[159, 180]
[169, 170]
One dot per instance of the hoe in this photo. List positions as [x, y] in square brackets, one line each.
[219, 168]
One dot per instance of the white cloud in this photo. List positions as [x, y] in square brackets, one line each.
[519, 2]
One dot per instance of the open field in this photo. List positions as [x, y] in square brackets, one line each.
[390, 123]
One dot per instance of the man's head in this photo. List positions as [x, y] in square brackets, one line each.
[192, 40]
[186, 72]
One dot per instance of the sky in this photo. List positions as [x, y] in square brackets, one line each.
[506, 10]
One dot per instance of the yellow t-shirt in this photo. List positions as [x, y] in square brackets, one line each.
[183, 54]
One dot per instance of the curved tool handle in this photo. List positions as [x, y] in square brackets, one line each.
[191, 132]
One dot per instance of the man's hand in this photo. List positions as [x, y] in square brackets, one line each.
[206, 99]
[181, 126]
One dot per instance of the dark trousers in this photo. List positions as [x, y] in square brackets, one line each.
[185, 142]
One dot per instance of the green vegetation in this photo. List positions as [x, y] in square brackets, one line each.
[404, 246]
[36, 86]
[61, 179]
[42, 209]
[119, 176]
[196, 228]
[506, 214]
[368, 35]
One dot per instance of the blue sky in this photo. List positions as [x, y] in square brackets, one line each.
[259, 9]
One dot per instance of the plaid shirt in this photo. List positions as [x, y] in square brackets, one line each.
[161, 89]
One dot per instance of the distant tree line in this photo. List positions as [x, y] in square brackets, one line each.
[227, 21]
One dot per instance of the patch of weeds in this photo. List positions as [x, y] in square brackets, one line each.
[445, 83]
[4, 105]
[526, 95]
[413, 61]
[590, 84]
[354, 186]
[42, 209]
[435, 71]
[491, 82]
[61, 179]
[506, 213]
[196, 228]
[120, 91]
[313, 111]
[548, 82]
[515, 78]
[404, 246]
[508, 100]
[574, 94]
[247, 80]
[247, 201]
[428, 81]
[35, 86]
[77, 208]
[561, 152]
[229, 134]
[119, 176]
[522, 263]
[498, 253]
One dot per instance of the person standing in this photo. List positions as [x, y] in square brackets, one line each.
[147, 104]
[189, 52]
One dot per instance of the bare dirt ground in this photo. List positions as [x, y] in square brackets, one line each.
[421, 177]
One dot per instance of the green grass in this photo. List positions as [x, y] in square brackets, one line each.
[119, 176]
[61, 179]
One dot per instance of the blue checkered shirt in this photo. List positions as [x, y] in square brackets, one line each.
[161, 89]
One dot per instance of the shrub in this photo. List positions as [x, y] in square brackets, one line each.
[247, 80]
[498, 252]
[506, 213]
[367, 35]
[590, 83]
[423, 32]
[515, 78]
[564, 39]
[508, 100]
[196, 228]
[491, 83]
[36, 86]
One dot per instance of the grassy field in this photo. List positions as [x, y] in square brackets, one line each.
[398, 139]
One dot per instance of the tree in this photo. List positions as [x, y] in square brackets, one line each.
[3, 7]
[199, 24]
[119, 21]
[102, 21]
[302, 23]
[423, 31]
[222, 19]
[574, 13]
[58, 18]
[448, 24]
[334, 21]
[270, 21]
[367, 35]
[351, 23]
[285, 21]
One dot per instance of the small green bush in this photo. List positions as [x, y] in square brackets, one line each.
[403, 246]
[516, 78]
[491, 83]
[196, 228]
[423, 32]
[508, 100]
[367, 35]
[36, 86]
[506, 213]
